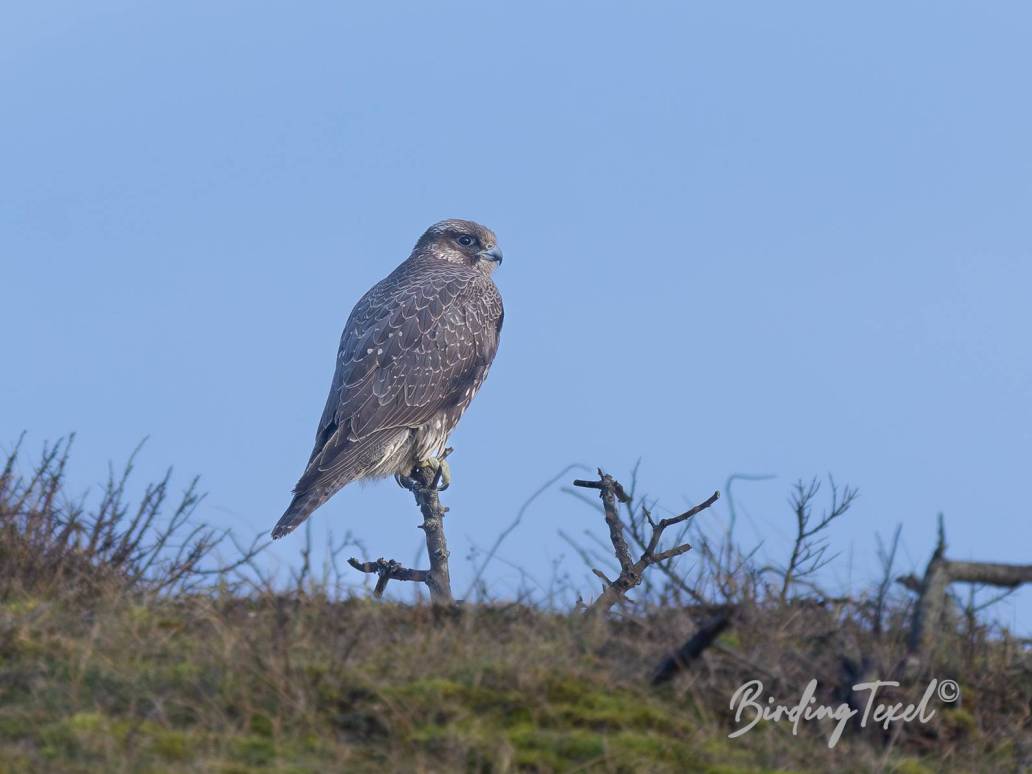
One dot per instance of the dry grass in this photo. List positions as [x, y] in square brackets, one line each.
[145, 676]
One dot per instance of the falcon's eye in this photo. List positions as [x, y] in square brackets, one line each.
[465, 240]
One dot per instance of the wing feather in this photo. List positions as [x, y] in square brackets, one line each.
[411, 348]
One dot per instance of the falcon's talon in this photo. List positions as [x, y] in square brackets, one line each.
[441, 469]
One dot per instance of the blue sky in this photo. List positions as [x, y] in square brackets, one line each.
[756, 238]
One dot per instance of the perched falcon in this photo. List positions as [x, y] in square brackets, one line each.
[414, 352]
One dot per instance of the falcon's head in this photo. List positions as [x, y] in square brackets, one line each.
[461, 241]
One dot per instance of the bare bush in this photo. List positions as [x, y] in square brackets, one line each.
[53, 543]
[809, 549]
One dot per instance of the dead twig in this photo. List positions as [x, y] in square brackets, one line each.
[388, 570]
[423, 483]
[809, 548]
[631, 572]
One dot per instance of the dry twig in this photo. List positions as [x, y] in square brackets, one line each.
[631, 572]
[423, 483]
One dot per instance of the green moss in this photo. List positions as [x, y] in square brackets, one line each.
[960, 721]
[614, 711]
[447, 699]
[253, 750]
[261, 725]
[172, 745]
[550, 746]
[731, 754]
[729, 639]
[539, 747]
[59, 740]
[388, 690]
[16, 726]
[87, 723]
[911, 766]
[652, 748]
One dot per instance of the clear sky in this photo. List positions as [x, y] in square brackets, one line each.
[788, 238]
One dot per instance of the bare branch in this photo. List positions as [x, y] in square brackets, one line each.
[932, 600]
[632, 572]
[424, 485]
[388, 570]
[808, 550]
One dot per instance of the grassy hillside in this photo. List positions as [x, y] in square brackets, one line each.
[104, 667]
[305, 684]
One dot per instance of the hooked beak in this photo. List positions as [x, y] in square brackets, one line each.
[494, 254]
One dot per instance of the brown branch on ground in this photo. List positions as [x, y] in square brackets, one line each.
[683, 657]
[423, 483]
[632, 572]
[932, 598]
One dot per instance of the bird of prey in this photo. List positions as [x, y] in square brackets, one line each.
[413, 354]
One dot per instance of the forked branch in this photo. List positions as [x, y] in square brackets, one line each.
[423, 483]
[631, 571]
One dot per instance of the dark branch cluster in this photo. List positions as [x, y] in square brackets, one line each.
[809, 550]
[631, 571]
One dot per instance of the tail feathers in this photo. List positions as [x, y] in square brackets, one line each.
[300, 508]
[336, 465]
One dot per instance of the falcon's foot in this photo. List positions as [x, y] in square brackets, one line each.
[439, 471]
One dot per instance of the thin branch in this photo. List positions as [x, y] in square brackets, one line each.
[424, 485]
[632, 572]
[388, 570]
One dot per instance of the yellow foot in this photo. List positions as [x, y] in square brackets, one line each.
[440, 469]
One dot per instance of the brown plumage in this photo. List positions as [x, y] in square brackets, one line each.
[413, 354]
